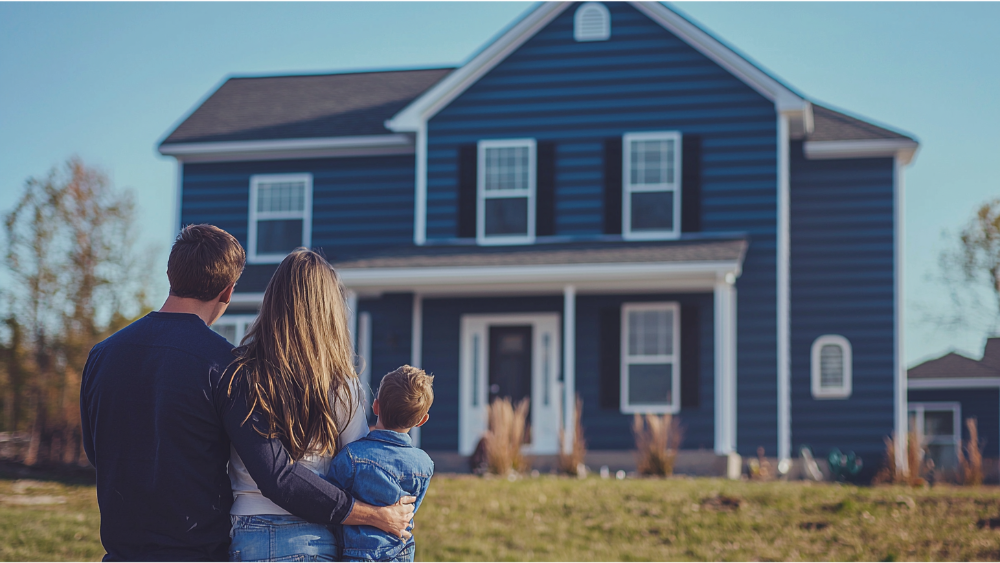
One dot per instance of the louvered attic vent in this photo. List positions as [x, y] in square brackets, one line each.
[592, 22]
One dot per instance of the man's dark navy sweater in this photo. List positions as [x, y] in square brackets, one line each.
[158, 421]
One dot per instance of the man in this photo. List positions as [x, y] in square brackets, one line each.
[158, 422]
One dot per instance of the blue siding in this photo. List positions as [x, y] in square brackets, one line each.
[609, 429]
[392, 333]
[644, 78]
[842, 282]
[983, 404]
[360, 204]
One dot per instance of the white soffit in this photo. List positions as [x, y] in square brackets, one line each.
[319, 146]
[904, 149]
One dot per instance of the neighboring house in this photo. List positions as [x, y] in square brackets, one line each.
[605, 201]
[946, 391]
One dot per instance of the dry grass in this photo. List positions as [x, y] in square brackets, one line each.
[970, 462]
[657, 439]
[890, 474]
[505, 436]
[570, 462]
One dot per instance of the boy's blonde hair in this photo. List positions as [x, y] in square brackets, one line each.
[404, 397]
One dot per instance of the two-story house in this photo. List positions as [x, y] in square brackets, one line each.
[606, 201]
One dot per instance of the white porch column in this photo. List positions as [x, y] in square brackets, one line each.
[352, 318]
[416, 348]
[569, 365]
[725, 365]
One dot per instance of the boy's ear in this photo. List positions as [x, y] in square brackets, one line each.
[375, 407]
[423, 420]
[227, 294]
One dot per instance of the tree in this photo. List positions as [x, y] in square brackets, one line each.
[971, 271]
[77, 277]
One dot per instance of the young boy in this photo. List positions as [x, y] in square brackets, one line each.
[384, 466]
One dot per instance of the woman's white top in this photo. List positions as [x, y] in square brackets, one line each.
[248, 500]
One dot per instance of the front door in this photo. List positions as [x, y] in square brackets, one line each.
[512, 356]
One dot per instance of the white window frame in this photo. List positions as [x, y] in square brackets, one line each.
[674, 359]
[364, 351]
[578, 34]
[628, 189]
[481, 195]
[919, 409]
[242, 322]
[305, 215]
[844, 391]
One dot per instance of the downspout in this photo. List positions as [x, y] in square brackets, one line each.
[783, 294]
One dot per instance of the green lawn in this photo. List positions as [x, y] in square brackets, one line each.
[549, 518]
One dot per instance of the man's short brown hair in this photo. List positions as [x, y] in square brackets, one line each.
[204, 261]
[404, 397]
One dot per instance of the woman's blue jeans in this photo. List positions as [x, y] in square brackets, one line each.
[272, 537]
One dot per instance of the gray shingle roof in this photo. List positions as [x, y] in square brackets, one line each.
[550, 254]
[832, 125]
[953, 365]
[299, 107]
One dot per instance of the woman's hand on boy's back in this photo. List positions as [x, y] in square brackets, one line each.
[393, 519]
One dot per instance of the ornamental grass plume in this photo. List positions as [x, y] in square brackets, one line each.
[890, 474]
[657, 439]
[569, 462]
[503, 440]
[970, 462]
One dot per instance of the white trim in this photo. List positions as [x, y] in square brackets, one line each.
[286, 145]
[569, 367]
[420, 197]
[178, 201]
[305, 215]
[578, 32]
[815, 369]
[673, 359]
[628, 189]
[784, 99]
[419, 111]
[240, 321]
[364, 351]
[482, 194]
[953, 383]
[899, 383]
[417, 349]
[784, 295]
[903, 149]
[352, 318]
[725, 365]
[473, 383]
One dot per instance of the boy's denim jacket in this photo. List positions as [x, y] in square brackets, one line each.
[380, 469]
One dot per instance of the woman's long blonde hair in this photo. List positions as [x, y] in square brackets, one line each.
[297, 356]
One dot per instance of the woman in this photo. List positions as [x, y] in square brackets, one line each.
[297, 364]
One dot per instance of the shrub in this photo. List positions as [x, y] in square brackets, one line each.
[502, 442]
[657, 439]
[970, 462]
[569, 462]
[891, 474]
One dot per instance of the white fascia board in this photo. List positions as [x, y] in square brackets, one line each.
[186, 150]
[785, 100]
[903, 149]
[954, 383]
[411, 118]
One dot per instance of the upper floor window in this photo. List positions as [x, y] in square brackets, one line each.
[592, 22]
[831, 367]
[651, 194]
[506, 192]
[650, 359]
[280, 215]
[233, 327]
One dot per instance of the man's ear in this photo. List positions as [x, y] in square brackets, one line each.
[375, 407]
[227, 294]
[423, 420]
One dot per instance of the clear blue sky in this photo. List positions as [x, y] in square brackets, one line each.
[106, 82]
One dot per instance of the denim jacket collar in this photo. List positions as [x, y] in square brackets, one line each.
[391, 437]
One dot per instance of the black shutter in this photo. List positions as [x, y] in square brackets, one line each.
[691, 183]
[468, 159]
[545, 189]
[690, 356]
[610, 357]
[613, 186]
